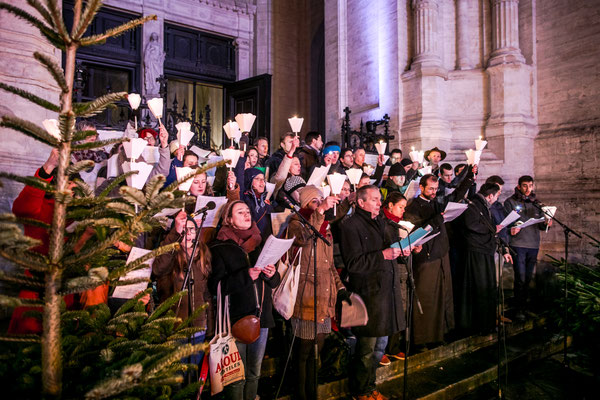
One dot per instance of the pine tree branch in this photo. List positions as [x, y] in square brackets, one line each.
[55, 70]
[58, 22]
[114, 183]
[141, 261]
[42, 10]
[21, 280]
[153, 186]
[182, 352]
[198, 171]
[29, 181]
[80, 166]
[132, 302]
[29, 129]
[21, 339]
[33, 222]
[133, 281]
[47, 32]
[166, 305]
[162, 200]
[26, 261]
[186, 322]
[13, 302]
[101, 38]
[96, 144]
[81, 135]
[91, 108]
[31, 97]
[133, 195]
[121, 208]
[87, 16]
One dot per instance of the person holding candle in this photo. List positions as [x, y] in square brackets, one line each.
[330, 288]
[183, 158]
[285, 144]
[291, 165]
[434, 156]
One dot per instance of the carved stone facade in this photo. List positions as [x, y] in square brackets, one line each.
[449, 71]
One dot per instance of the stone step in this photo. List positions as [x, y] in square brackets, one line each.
[395, 371]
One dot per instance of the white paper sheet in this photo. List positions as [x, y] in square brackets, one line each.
[412, 190]
[273, 250]
[151, 154]
[355, 314]
[510, 218]
[212, 216]
[129, 291]
[201, 153]
[318, 176]
[280, 221]
[529, 222]
[354, 175]
[134, 148]
[549, 211]
[425, 170]
[270, 188]
[137, 180]
[407, 224]
[167, 212]
[372, 159]
[454, 210]
[182, 172]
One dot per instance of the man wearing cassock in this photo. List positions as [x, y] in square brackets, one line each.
[476, 276]
[433, 280]
[374, 275]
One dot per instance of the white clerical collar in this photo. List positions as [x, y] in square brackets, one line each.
[421, 196]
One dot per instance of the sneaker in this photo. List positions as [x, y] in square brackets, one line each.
[399, 356]
[384, 360]
[378, 396]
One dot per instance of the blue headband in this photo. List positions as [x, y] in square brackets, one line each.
[331, 149]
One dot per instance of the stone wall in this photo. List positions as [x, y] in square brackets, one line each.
[566, 153]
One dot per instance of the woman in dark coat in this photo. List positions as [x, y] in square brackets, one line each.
[233, 253]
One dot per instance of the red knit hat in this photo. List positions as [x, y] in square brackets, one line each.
[147, 131]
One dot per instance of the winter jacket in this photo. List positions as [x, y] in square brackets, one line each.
[422, 213]
[372, 277]
[230, 264]
[309, 157]
[529, 237]
[273, 162]
[328, 280]
[476, 231]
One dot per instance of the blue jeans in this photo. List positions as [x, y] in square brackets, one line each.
[379, 350]
[196, 358]
[252, 355]
[362, 371]
[523, 264]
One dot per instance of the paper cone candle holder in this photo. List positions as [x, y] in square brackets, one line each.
[156, 107]
[245, 121]
[184, 171]
[336, 182]
[296, 124]
[232, 155]
[480, 144]
[270, 188]
[51, 126]
[380, 147]
[137, 180]
[325, 190]
[368, 169]
[184, 134]
[134, 100]
[473, 156]
[232, 130]
[417, 156]
[134, 148]
[354, 175]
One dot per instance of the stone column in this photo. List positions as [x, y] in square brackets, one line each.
[425, 13]
[467, 12]
[505, 32]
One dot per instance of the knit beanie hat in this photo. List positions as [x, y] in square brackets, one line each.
[249, 176]
[147, 131]
[397, 170]
[308, 193]
[292, 184]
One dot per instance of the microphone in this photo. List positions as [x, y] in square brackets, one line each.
[209, 206]
[397, 225]
[289, 203]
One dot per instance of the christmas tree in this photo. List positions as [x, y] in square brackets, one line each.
[87, 353]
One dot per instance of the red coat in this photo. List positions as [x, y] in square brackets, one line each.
[32, 203]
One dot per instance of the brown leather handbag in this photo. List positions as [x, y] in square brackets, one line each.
[247, 329]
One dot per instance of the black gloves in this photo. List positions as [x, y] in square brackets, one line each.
[342, 295]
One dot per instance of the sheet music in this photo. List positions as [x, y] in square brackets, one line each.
[355, 314]
[280, 221]
[273, 250]
[318, 176]
[510, 218]
[212, 216]
[151, 154]
[530, 221]
[412, 190]
[454, 210]
[129, 291]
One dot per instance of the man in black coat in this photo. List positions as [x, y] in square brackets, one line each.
[476, 308]
[373, 275]
[433, 280]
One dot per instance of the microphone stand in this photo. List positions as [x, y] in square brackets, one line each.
[315, 236]
[188, 281]
[566, 230]
[500, 244]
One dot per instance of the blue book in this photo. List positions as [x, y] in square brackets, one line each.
[414, 237]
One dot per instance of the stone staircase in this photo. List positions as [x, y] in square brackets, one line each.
[445, 372]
